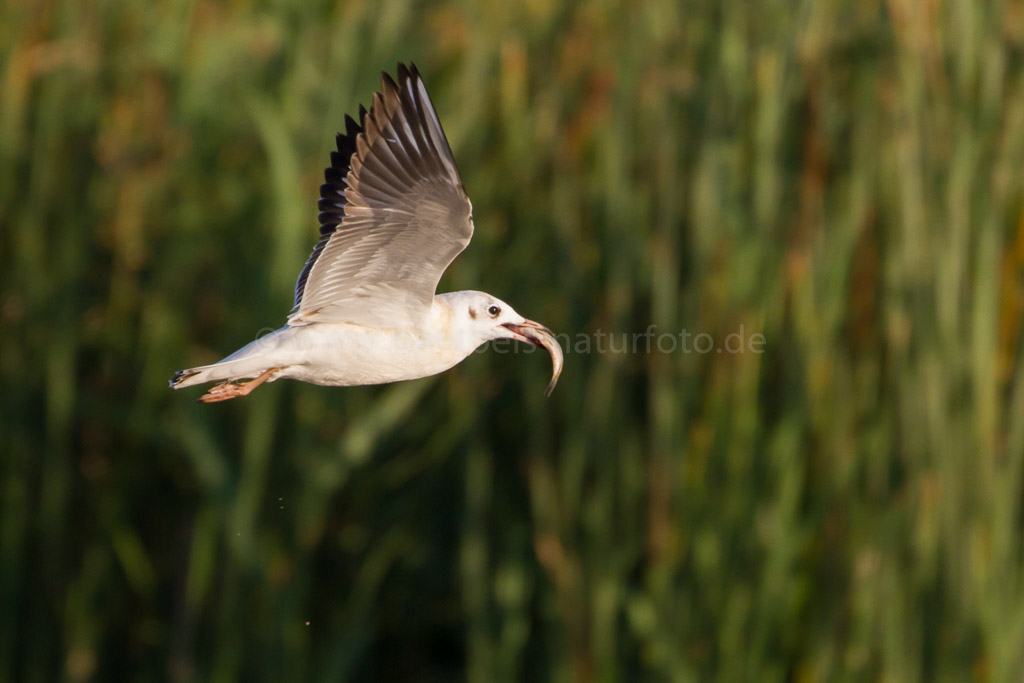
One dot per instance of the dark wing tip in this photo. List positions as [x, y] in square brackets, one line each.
[332, 201]
[352, 129]
[333, 190]
[407, 74]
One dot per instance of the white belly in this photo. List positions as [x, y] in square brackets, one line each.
[339, 354]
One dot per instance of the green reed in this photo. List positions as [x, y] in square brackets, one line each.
[843, 178]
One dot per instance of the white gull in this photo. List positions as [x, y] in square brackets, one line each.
[393, 215]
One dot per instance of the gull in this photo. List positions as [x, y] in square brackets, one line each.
[393, 216]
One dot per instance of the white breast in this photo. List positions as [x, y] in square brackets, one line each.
[339, 354]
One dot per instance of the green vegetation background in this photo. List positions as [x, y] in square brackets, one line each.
[844, 177]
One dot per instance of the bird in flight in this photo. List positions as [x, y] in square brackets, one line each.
[393, 215]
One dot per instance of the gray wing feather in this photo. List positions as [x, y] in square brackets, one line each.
[404, 216]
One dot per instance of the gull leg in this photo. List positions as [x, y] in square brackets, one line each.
[235, 388]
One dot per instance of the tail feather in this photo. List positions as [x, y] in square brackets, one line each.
[205, 373]
[182, 376]
[243, 368]
[247, 362]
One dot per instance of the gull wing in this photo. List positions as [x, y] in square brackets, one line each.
[393, 215]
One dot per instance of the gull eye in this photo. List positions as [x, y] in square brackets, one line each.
[494, 311]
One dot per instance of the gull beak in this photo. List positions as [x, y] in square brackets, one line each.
[538, 335]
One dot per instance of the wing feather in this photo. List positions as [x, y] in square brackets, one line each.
[393, 214]
[332, 196]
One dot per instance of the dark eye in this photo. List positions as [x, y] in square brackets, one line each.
[494, 311]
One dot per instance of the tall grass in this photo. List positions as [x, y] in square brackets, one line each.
[843, 178]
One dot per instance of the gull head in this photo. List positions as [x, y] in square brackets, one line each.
[478, 317]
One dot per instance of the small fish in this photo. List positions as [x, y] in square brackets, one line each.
[538, 335]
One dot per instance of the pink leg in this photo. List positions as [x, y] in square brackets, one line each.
[235, 388]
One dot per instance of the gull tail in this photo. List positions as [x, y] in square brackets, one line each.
[233, 387]
[262, 360]
[224, 370]
[186, 378]
[232, 372]
[252, 361]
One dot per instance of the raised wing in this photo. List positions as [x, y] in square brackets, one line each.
[393, 215]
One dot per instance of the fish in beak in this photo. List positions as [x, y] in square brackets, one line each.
[538, 335]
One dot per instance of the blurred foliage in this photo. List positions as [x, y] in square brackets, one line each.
[844, 177]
